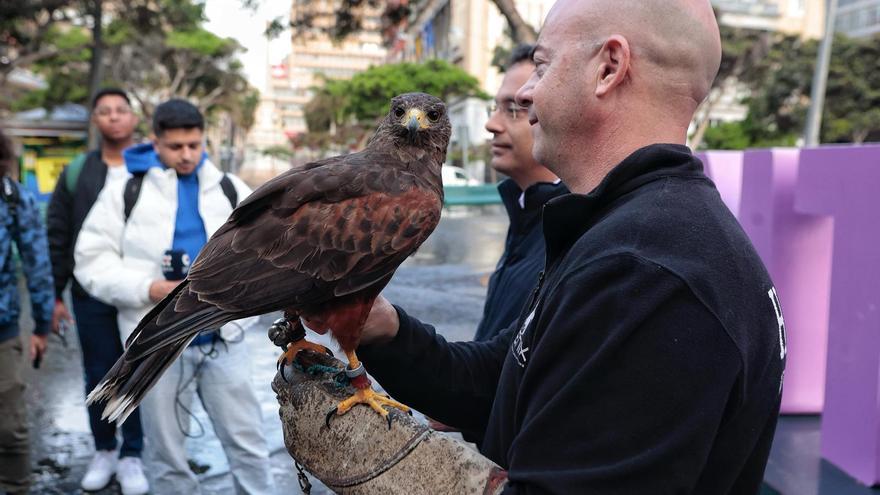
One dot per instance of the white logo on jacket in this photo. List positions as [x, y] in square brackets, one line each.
[519, 352]
[780, 321]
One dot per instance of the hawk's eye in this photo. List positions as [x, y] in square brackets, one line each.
[398, 112]
[433, 115]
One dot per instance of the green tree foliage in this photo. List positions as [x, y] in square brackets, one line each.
[26, 28]
[370, 91]
[160, 50]
[328, 107]
[777, 70]
[66, 71]
[852, 98]
[348, 16]
[154, 49]
[341, 112]
[30, 34]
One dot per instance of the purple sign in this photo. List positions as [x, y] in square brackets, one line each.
[796, 248]
[813, 217]
[843, 182]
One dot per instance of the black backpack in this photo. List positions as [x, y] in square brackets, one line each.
[9, 193]
[133, 190]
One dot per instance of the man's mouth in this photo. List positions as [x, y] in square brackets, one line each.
[498, 148]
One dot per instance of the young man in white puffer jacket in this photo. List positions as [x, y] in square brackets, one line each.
[119, 260]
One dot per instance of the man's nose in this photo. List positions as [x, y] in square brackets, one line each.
[493, 125]
[523, 97]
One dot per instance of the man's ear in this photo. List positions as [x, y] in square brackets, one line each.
[155, 140]
[614, 62]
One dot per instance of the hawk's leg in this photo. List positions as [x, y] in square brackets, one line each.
[291, 336]
[365, 393]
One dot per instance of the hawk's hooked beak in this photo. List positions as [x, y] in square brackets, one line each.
[413, 121]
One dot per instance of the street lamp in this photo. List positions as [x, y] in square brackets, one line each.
[820, 78]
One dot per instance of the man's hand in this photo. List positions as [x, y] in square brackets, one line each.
[161, 288]
[382, 324]
[59, 314]
[38, 346]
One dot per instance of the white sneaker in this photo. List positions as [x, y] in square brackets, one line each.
[130, 475]
[100, 472]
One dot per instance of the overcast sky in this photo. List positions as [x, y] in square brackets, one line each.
[227, 18]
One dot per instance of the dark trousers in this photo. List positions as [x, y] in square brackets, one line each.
[101, 347]
[15, 463]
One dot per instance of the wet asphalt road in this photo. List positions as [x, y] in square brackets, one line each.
[444, 284]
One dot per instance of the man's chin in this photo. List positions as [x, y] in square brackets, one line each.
[538, 153]
[501, 165]
[116, 136]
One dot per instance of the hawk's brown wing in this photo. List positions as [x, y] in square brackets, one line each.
[314, 235]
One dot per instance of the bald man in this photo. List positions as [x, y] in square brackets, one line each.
[649, 357]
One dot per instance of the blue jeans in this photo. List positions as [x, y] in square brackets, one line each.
[101, 347]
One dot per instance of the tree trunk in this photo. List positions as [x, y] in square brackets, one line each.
[860, 136]
[359, 453]
[96, 63]
[521, 30]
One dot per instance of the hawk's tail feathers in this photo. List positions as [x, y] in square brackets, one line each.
[126, 384]
[161, 336]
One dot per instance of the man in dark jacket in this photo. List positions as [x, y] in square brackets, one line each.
[20, 225]
[650, 357]
[75, 193]
[529, 186]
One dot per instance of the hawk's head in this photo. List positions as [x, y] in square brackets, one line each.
[419, 119]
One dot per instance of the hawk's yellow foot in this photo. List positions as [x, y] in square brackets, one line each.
[294, 347]
[364, 395]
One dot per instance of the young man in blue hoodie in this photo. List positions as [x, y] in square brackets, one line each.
[136, 232]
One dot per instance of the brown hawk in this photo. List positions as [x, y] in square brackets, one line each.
[320, 241]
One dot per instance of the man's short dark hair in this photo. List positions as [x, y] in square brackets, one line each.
[177, 114]
[107, 92]
[520, 53]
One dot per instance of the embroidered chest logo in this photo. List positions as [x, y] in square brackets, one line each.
[520, 352]
[780, 321]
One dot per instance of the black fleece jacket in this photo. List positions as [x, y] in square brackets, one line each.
[523, 256]
[66, 215]
[649, 359]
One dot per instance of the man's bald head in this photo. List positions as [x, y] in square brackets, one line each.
[614, 75]
[677, 40]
